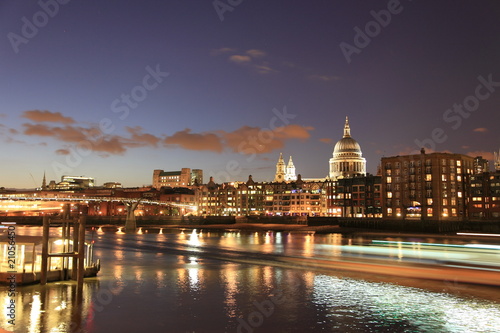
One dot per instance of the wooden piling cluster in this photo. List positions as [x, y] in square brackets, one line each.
[73, 237]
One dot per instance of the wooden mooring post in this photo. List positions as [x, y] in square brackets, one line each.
[72, 230]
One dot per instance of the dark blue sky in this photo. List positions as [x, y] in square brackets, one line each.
[87, 63]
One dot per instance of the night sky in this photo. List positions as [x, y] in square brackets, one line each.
[114, 90]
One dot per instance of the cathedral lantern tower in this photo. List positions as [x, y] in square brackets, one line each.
[347, 160]
[280, 170]
[290, 171]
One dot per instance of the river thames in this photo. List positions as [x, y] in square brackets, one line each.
[241, 281]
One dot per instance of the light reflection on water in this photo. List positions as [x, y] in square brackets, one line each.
[53, 308]
[387, 307]
[143, 287]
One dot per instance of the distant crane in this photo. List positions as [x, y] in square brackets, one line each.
[33, 180]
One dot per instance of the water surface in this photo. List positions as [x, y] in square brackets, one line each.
[180, 282]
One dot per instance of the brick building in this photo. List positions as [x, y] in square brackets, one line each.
[359, 196]
[484, 196]
[296, 198]
[426, 186]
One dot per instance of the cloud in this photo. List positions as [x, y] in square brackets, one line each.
[87, 138]
[37, 130]
[244, 140]
[64, 134]
[485, 154]
[481, 129]
[47, 116]
[253, 53]
[113, 145]
[91, 138]
[142, 139]
[194, 141]
[256, 53]
[244, 60]
[294, 132]
[250, 140]
[222, 50]
[240, 59]
[260, 62]
[324, 78]
[252, 58]
[62, 152]
[12, 140]
[263, 69]
[326, 140]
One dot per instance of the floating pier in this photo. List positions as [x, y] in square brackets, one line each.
[33, 259]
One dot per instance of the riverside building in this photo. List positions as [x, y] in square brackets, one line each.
[294, 198]
[426, 186]
[182, 178]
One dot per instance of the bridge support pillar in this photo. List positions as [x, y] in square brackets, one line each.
[130, 223]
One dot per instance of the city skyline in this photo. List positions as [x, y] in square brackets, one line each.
[226, 88]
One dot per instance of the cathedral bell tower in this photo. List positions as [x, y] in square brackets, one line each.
[280, 170]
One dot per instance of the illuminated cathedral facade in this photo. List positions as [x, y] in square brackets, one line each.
[285, 173]
[347, 160]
